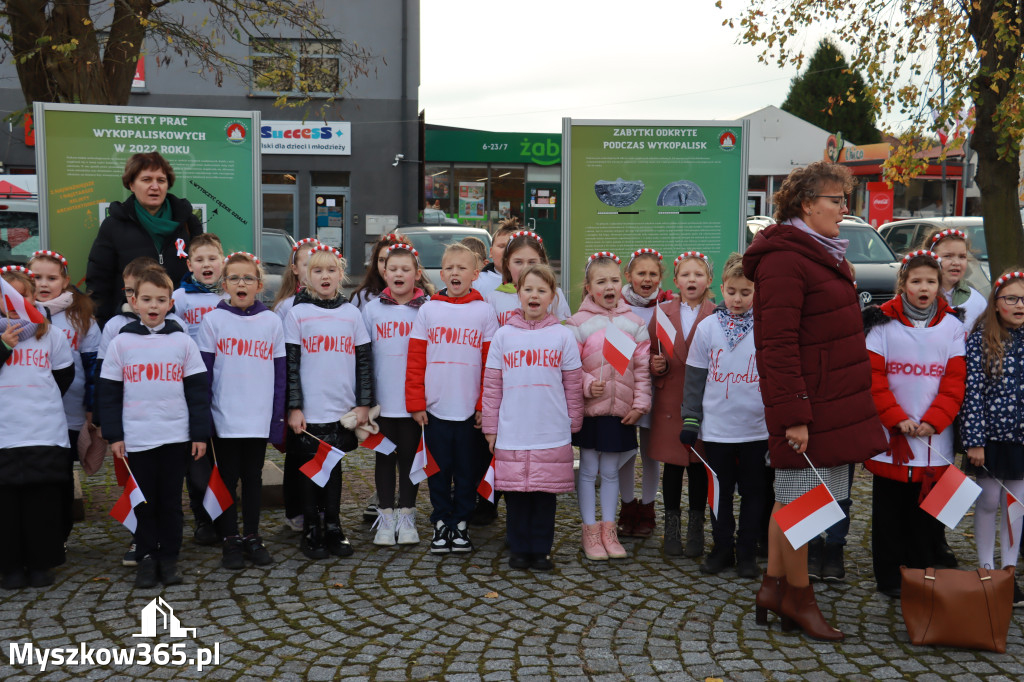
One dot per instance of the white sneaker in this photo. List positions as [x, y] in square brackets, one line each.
[406, 525]
[294, 523]
[385, 525]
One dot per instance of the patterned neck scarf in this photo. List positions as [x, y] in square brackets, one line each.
[734, 326]
[635, 299]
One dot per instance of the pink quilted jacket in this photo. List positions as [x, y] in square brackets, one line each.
[621, 393]
[547, 470]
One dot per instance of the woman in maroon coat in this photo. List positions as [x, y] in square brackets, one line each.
[814, 367]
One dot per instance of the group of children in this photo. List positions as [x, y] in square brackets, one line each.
[492, 368]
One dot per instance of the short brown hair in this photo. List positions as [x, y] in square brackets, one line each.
[804, 184]
[140, 162]
[205, 239]
[507, 226]
[156, 277]
[542, 270]
[478, 247]
[733, 267]
[242, 258]
[136, 267]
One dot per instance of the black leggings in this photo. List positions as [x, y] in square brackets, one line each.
[404, 432]
[328, 498]
[672, 486]
[241, 458]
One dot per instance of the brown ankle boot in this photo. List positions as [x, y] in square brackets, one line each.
[769, 598]
[644, 526]
[627, 517]
[798, 604]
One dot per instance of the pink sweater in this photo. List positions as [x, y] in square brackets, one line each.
[632, 390]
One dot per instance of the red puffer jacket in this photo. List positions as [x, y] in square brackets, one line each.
[811, 353]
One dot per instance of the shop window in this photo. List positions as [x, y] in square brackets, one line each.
[507, 183]
[295, 67]
[437, 187]
[470, 188]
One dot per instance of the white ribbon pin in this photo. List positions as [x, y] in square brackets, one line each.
[180, 244]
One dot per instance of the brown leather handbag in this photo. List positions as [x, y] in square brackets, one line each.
[965, 609]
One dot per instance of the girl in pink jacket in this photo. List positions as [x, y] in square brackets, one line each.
[612, 403]
[532, 403]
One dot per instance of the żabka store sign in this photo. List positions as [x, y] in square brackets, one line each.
[309, 137]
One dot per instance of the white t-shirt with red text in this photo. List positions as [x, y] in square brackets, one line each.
[533, 413]
[733, 409]
[390, 326]
[74, 397]
[153, 368]
[117, 322]
[244, 348]
[31, 412]
[327, 369]
[455, 334]
[192, 307]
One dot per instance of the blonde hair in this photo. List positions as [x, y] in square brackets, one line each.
[733, 267]
[456, 249]
[324, 258]
[26, 281]
[708, 294]
[542, 270]
[289, 280]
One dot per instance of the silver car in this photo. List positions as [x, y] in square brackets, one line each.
[431, 240]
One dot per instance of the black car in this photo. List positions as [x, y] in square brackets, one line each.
[874, 262]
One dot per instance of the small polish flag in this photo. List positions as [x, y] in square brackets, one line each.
[1014, 512]
[618, 348]
[320, 467]
[713, 489]
[423, 464]
[808, 515]
[951, 497]
[486, 487]
[13, 301]
[124, 508]
[664, 330]
[378, 443]
[217, 497]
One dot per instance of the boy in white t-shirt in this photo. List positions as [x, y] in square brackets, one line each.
[722, 406]
[447, 350]
[154, 398]
[200, 292]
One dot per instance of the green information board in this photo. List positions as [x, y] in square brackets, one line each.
[673, 186]
[81, 152]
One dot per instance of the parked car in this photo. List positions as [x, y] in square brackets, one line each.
[435, 216]
[276, 251]
[19, 220]
[431, 240]
[913, 233]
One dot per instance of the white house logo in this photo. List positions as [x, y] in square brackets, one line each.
[158, 618]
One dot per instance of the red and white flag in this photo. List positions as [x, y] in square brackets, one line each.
[618, 348]
[378, 443]
[423, 464]
[664, 330]
[1014, 513]
[124, 508]
[486, 487]
[951, 497]
[13, 301]
[713, 489]
[320, 467]
[808, 515]
[217, 497]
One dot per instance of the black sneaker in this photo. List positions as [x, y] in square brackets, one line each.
[441, 543]
[145, 574]
[206, 535]
[334, 540]
[944, 555]
[129, 558]
[833, 566]
[815, 558]
[486, 512]
[254, 551]
[542, 562]
[15, 580]
[40, 577]
[312, 543]
[1018, 596]
[718, 560]
[168, 571]
[521, 561]
[746, 566]
[460, 538]
[232, 558]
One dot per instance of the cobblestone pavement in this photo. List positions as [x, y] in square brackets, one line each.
[400, 613]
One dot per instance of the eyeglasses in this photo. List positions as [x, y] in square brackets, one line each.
[1011, 300]
[245, 279]
[837, 199]
[128, 291]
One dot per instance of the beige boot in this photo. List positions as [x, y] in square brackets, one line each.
[593, 548]
[610, 540]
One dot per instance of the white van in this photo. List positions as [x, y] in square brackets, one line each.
[19, 218]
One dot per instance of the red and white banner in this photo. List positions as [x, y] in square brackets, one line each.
[713, 490]
[809, 515]
[217, 497]
[423, 464]
[1014, 513]
[664, 330]
[13, 301]
[618, 348]
[378, 443]
[124, 508]
[486, 487]
[320, 467]
[951, 497]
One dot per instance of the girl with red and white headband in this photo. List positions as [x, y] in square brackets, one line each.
[71, 312]
[524, 249]
[612, 402]
[294, 279]
[990, 424]
[952, 248]
[916, 348]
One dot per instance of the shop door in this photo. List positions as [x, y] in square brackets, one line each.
[330, 215]
[542, 215]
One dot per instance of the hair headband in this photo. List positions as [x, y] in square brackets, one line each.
[52, 254]
[602, 254]
[391, 237]
[915, 254]
[1008, 277]
[18, 268]
[302, 242]
[248, 255]
[644, 252]
[939, 236]
[404, 247]
[527, 233]
[691, 254]
[328, 249]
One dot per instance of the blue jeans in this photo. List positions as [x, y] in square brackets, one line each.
[454, 446]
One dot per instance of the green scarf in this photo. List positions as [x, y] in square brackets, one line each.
[159, 226]
[960, 293]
